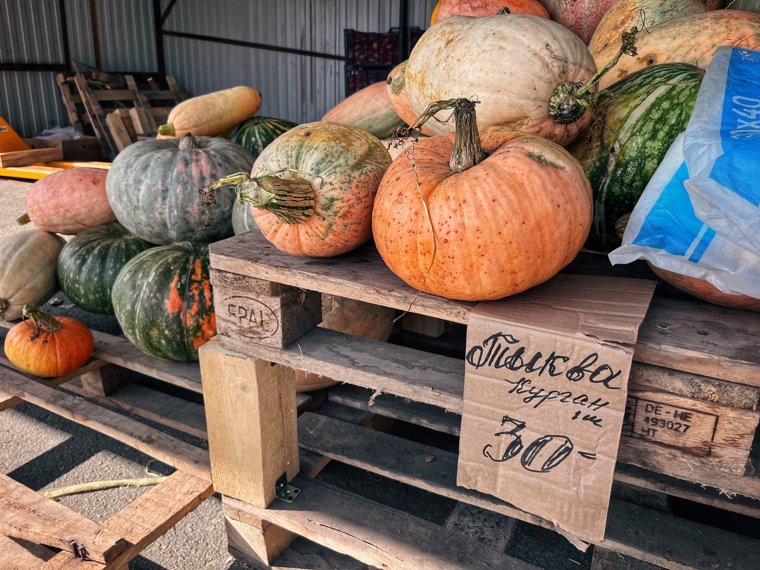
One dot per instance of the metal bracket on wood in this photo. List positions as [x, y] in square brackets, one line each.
[284, 490]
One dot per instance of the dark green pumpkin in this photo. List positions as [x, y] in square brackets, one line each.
[163, 301]
[90, 262]
[635, 122]
[256, 133]
[153, 188]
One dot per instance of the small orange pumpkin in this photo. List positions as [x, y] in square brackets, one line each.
[452, 222]
[48, 346]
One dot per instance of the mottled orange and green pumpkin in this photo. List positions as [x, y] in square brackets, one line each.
[311, 191]
[48, 346]
[163, 301]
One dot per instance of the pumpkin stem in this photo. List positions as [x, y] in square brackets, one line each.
[292, 200]
[504, 10]
[569, 101]
[42, 321]
[187, 142]
[167, 129]
[4, 304]
[467, 151]
[23, 219]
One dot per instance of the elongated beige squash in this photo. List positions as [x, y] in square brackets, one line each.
[688, 39]
[27, 270]
[212, 113]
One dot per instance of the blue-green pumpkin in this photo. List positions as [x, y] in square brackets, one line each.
[153, 188]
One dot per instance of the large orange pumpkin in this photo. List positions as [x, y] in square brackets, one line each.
[447, 8]
[48, 346]
[452, 223]
[312, 189]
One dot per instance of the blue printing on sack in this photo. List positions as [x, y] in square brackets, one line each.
[672, 225]
[736, 168]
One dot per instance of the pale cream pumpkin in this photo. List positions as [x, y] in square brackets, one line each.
[27, 270]
[524, 70]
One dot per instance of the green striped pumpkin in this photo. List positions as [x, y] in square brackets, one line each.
[256, 133]
[635, 122]
[90, 262]
[163, 301]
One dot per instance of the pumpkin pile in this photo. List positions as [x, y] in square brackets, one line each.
[517, 132]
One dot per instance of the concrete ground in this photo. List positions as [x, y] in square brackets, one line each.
[41, 450]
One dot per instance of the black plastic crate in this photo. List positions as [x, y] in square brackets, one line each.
[371, 55]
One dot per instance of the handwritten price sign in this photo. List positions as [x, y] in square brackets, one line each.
[543, 412]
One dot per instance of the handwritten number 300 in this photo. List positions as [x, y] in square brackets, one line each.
[561, 444]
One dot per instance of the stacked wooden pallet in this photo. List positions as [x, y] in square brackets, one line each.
[115, 107]
[695, 365]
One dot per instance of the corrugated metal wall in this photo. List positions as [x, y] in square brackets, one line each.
[26, 97]
[296, 87]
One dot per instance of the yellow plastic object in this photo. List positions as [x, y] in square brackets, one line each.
[42, 169]
[9, 139]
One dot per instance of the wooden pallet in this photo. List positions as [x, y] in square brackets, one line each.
[40, 533]
[116, 107]
[691, 359]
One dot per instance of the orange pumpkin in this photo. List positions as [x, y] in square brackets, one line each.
[706, 291]
[369, 109]
[688, 39]
[396, 84]
[48, 346]
[477, 228]
[447, 8]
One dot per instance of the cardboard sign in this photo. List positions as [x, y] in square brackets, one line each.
[542, 418]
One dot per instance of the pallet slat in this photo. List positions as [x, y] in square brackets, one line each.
[372, 533]
[131, 432]
[18, 554]
[27, 515]
[150, 515]
[686, 335]
[670, 541]
[393, 369]
[120, 351]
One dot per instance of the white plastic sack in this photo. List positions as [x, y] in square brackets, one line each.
[722, 147]
[664, 230]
